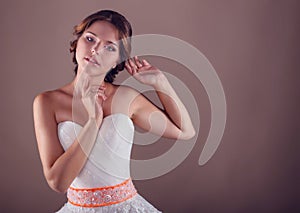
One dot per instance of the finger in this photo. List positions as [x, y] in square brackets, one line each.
[146, 62]
[128, 67]
[102, 87]
[99, 103]
[133, 66]
[99, 107]
[102, 96]
[137, 62]
[101, 90]
[100, 93]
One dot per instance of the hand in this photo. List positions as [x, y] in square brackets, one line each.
[143, 71]
[93, 102]
[92, 96]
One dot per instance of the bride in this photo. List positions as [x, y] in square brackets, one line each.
[85, 129]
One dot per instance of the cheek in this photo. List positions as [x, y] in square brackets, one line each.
[111, 58]
[79, 46]
[80, 50]
[117, 57]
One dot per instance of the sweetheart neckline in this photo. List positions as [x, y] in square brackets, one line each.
[108, 116]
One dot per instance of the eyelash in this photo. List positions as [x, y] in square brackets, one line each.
[89, 39]
[109, 48]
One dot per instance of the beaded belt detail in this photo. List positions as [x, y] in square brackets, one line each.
[104, 196]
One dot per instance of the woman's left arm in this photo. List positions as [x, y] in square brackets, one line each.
[174, 121]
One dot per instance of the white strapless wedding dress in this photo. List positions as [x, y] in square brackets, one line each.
[105, 178]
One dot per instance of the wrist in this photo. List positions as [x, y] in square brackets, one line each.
[95, 121]
[161, 82]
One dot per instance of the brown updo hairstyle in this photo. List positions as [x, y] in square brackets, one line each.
[124, 36]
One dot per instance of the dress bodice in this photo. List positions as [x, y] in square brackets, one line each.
[109, 161]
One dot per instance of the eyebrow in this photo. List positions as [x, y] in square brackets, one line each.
[110, 42]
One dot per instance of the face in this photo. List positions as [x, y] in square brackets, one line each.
[98, 48]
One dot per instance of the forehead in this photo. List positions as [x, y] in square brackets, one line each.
[104, 30]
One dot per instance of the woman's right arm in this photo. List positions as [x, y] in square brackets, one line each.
[61, 167]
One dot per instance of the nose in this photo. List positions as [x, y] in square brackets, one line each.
[96, 48]
[94, 51]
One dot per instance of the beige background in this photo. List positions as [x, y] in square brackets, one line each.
[254, 47]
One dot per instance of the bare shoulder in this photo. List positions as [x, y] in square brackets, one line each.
[47, 98]
[125, 90]
[49, 103]
[43, 99]
[125, 94]
[127, 99]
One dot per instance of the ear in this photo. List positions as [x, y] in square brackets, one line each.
[113, 67]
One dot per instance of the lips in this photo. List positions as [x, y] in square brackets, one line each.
[92, 60]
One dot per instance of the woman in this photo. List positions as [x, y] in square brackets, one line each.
[85, 129]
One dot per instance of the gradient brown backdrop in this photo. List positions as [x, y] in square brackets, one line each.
[254, 47]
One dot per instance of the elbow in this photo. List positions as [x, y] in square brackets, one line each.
[188, 134]
[56, 184]
[192, 134]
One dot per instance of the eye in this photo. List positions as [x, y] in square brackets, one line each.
[89, 39]
[110, 48]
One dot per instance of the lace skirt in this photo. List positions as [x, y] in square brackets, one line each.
[136, 204]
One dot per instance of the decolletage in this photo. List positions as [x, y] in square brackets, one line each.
[109, 161]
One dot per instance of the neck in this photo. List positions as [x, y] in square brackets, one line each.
[99, 81]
